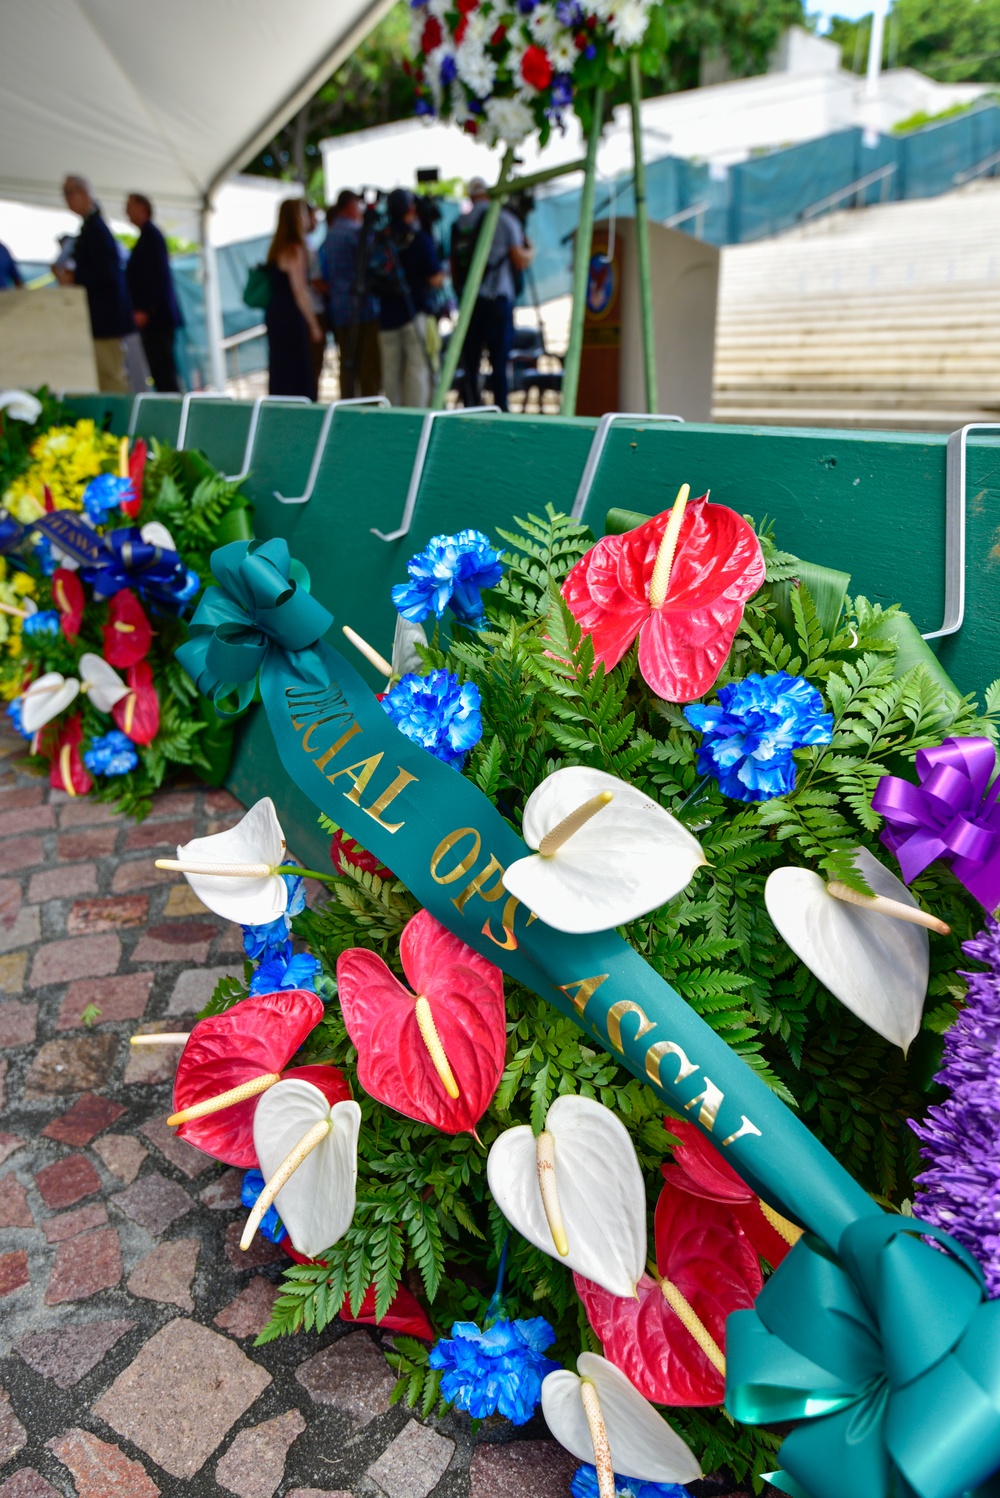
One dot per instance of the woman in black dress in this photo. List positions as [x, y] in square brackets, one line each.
[292, 325]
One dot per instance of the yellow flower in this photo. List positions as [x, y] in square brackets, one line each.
[14, 645]
[23, 584]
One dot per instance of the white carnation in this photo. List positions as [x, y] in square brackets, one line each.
[544, 25]
[600, 8]
[630, 21]
[479, 27]
[439, 8]
[509, 119]
[476, 69]
[563, 54]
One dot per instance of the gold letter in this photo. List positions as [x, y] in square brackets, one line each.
[330, 718]
[366, 769]
[746, 1127]
[325, 759]
[477, 885]
[710, 1101]
[389, 795]
[445, 846]
[655, 1055]
[614, 1022]
[585, 989]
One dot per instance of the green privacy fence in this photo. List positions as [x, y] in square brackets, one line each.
[873, 504]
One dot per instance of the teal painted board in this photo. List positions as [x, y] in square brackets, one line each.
[111, 412]
[218, 429]
[282, 455]
[972, 656]
[159, 419]
[256, 771]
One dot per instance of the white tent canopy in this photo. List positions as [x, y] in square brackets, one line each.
[161, 98]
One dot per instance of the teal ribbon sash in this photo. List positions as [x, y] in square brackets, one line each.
[884, 1347]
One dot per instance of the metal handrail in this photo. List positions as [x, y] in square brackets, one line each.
[987, 163]
[696, 211]
[881, 174]
[259, 330]
[419, 462]
[324, 432]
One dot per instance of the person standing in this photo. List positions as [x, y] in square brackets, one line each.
[292, 325]
[97, 267]
[151, 288]
[352, 309]
[10, 276]
[408, 271]
[492, 316]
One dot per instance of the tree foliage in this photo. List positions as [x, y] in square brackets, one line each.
[954, 41]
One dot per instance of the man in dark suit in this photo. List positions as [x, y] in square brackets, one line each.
[98, 269]
[151, 287]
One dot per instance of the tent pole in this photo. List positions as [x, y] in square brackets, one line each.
[213, 301]
[470, 291]
[642, 237]
[581, 263]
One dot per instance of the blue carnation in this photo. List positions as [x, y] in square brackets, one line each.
[500, 1369]
[283, 969]
[14, 714]
[448, 68]
[43, 555]
[438, 712]
[267, 939]
[296, 886]
[749, 738]
[450, 571]
[271, 1224]
[584, 1485]
[45, 622]
[104, 494]
[111, 754]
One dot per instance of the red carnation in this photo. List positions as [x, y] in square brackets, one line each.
[432, 35]
[498, 36]
[470, 127]
[581, 40]
[536, 70]
[466, 7]
[460, 30]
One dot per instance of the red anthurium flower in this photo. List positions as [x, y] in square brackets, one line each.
[138, 714]
[405, 1313]
[50, 503]
[258, 1036]
[68, 772]
[435, 1054]
[702, 1253]
[702, 1171]
[136, 470]
[686, 634]
[344, 850]
[68, 597]
[127, 634]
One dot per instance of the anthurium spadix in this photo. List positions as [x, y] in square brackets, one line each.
[308, 1153]
[576, 1192]
[876, 963]
[599, 1416]
[605, 852]
[234, 872]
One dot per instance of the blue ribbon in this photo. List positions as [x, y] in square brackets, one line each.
[122, 559]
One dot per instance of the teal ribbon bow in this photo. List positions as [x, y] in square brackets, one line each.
[872, 1349]
[257, 607]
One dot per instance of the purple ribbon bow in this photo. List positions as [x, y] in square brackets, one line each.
[954, 813]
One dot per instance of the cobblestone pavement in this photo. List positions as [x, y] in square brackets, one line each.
[127, 1311]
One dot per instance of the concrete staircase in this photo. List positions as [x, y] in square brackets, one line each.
[887, 317]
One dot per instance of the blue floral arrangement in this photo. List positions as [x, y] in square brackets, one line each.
[749, 738]
[45, 622]
[111, 754]
[14, 714]
[584, 1485]
[270, 945]
[450, 572]
[104, 494]
[271, 1224]
[438, 712]
[498, 1370]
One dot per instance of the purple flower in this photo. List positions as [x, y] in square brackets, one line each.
[590, 52]
[569, 13]
[423, 106]
[448, 68]
[960, 1190]
[562, 90]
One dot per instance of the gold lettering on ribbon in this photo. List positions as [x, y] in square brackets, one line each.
[319, 723]
[365, 770]
[617, 1013]
[445, 846]
[745, 1128]
[480, 885]
[581, 990]
[381, 803]
[328, 754]
[654, 1058]
[710, 1100]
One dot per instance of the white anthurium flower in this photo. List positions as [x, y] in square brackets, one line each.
[243, 885]
[20, 405]
[576, 1192]
[312, 1149]
[875, 964]
[46, 698]
[606, 852]
[101, 682]
[155, 534]
[599, 1416]
[404, 647]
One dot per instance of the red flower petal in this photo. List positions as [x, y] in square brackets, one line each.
[465, 994]
[701, 1250]
[405, 1313]
[68, 597]
[344, 850]
[127, 634]
[260, 1034]
[136, 471]
[68, 772]
[138, 714]
[684, 643]
[536, 70]
[702, 1171]
[432, 35]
